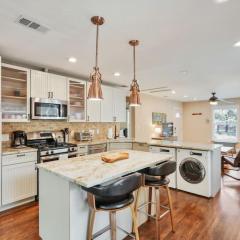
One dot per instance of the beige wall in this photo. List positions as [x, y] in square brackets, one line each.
[143, 115]
[198, 128]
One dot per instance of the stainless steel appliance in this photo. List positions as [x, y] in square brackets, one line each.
[45, 108]
[97, 148]
[83, 136]
[49, 149]
[19, 139]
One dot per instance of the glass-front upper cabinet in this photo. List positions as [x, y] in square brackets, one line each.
[77, 100]
[15, 93]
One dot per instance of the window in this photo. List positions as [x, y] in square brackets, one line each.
[225, 124]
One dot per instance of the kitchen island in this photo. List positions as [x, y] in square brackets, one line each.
[63, 208]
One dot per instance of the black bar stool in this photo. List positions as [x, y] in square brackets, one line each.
[155, 178]
[112, 197]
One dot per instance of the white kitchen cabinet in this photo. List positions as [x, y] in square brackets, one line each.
[15, 93]
[93, 110]
[107, 105]
[48, 85]
[119, 105]
[39, 84]
[58, 86]
[19, 177]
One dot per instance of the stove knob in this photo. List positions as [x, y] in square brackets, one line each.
[52, 152]
[72, 149]
[47, 153]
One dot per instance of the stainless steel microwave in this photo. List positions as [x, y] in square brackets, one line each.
[44, 108]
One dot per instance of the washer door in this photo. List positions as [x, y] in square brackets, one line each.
[192, 170]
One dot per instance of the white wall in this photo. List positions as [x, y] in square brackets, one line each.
[143, 115]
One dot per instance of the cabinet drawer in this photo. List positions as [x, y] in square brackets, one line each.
[19, 158]
[19, 182]
[116, 146]
[82, 149]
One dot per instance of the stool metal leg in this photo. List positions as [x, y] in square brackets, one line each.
[91, 219]
[135, 224]
[113, 226]
[170, 206]
[157, 220]
[149, 200]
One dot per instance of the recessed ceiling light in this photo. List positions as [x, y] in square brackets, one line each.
[72, 60]
[185, 96]
[173, 92]
[117, 74]
[237, 44]
[220, 1]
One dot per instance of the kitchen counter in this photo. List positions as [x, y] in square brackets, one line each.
[62, 201]
[185, 145]
[90, 170]
[11, 150]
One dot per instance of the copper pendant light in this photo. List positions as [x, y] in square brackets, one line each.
[95, 90]
[134, 99]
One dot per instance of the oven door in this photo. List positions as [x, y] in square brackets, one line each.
[48, 109]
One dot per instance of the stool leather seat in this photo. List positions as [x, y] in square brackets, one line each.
[155, 181]
[102, 203]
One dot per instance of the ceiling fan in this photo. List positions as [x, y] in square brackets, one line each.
[213, 100]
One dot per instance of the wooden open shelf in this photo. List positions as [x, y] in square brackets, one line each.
[77, 106]
[14, 79]
[14, 97]
[79, 98]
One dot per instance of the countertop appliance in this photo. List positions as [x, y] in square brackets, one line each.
[19, 139]
[83, 136]
[48, 147]
[193, 171]
[166, 150]
[167, 129]
[47, 108]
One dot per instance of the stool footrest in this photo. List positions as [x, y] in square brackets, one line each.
[128, 234]
[100, 232]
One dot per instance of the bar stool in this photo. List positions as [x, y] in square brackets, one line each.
[156, 178]
[112, 197]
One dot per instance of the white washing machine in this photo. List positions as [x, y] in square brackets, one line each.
[172, 151]
[193, 171]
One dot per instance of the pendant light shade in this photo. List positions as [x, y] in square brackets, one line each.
[95, 90]
[134, 99]
[213, 100]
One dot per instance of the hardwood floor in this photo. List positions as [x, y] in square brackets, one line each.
[195, 218]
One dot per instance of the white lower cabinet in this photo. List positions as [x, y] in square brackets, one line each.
[19, 179]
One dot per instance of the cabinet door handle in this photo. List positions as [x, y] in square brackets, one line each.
[52, 94]
[20, 155]
[48, 94]
[88, 118]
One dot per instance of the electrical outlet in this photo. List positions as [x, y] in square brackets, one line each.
[5, 137]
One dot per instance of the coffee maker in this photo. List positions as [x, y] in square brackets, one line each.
[19, 139]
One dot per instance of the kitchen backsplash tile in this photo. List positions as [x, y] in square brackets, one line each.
[45, 125]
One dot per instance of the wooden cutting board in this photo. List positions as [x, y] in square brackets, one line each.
[114, 157]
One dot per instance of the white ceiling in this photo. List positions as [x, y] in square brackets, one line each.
[196, 36]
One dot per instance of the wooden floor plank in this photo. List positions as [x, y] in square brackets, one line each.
[196, 218]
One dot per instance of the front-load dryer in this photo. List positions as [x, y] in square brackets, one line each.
[193, 171]
[167, 150]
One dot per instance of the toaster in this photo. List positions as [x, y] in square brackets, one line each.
[83, 136]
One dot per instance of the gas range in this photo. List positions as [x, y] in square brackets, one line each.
[49, 149]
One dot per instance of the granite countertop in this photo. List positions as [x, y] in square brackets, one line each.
[91, 170]
[11, 150]
[185, 145]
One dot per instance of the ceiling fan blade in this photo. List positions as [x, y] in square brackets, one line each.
[226, 101]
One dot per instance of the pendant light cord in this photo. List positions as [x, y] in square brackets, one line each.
[96, 60]
[134, 63]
